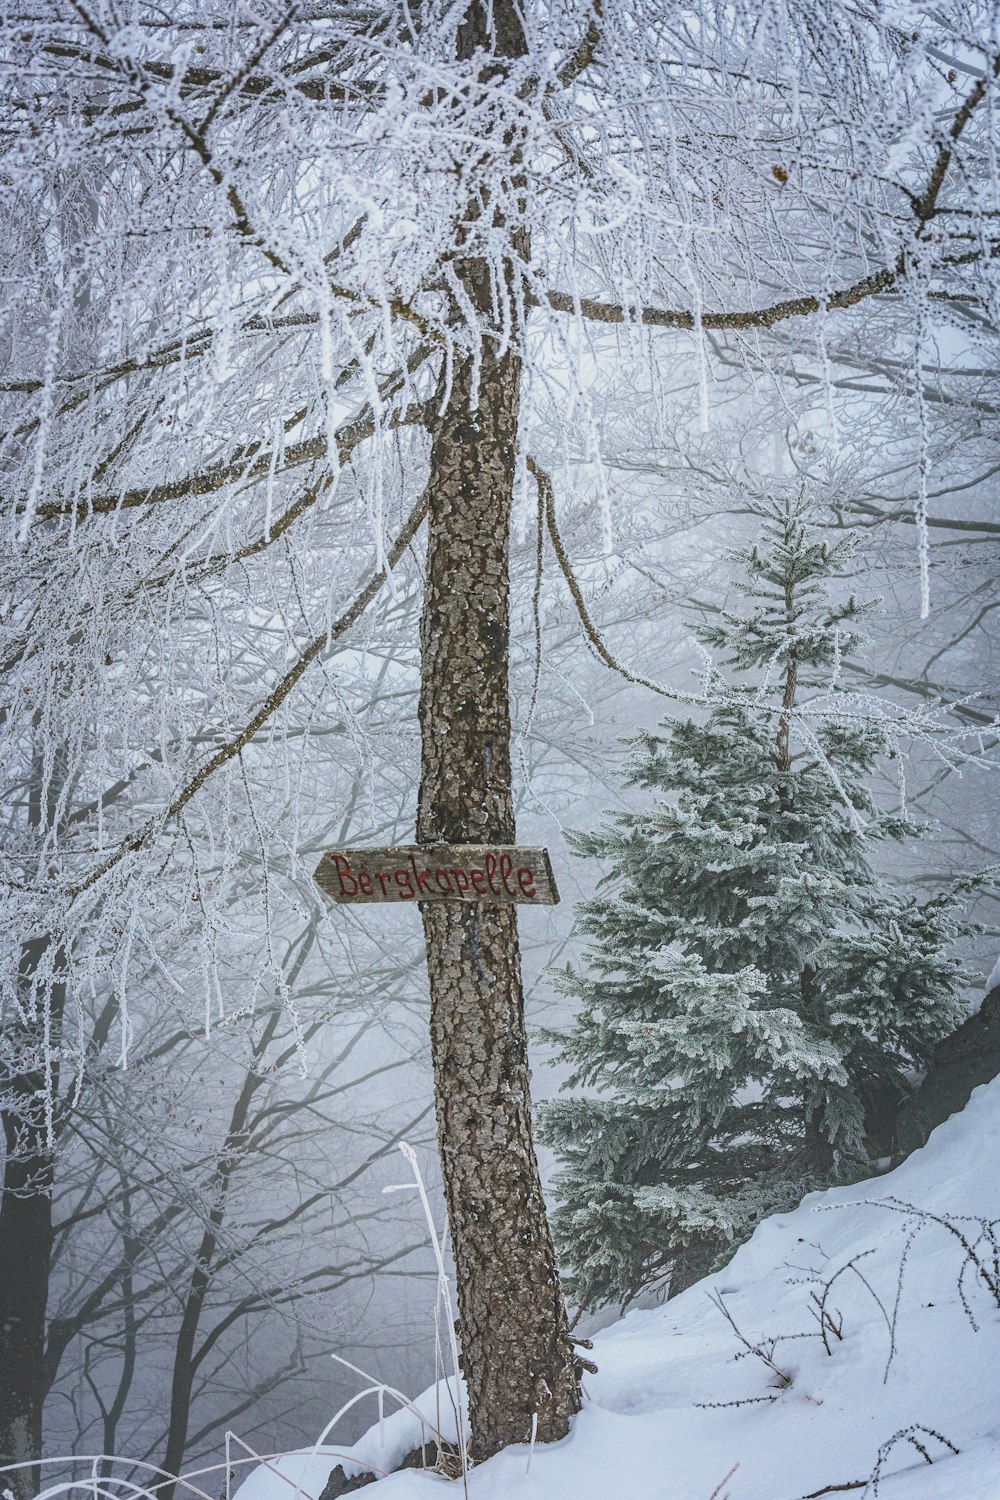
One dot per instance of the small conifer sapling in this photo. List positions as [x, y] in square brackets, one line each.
[756, 994]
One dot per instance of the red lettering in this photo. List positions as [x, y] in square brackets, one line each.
[478, 880]
[442, 875]
[383, 877]
[525, 878]
[343, 869]
[365, 882]
[506, 869]
[406, 891]
[491, 868]
[461, 881]
[421, 877]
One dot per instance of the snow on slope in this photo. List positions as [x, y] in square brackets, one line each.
[649, 1431]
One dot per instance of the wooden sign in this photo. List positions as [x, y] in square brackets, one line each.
[439, 872]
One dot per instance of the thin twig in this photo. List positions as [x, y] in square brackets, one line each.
[835, 1489]
[274, 699]
[546, 493]
[925, 207]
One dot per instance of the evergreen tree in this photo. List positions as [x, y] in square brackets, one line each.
[756, 994]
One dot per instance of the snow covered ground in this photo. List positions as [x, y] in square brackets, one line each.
[659, 1421]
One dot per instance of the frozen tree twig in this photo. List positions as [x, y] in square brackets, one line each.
[273, 701]
[242, 467]
[926, 724]
[547, 497]
[924, 205]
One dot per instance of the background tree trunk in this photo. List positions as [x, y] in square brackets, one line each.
[26, 1244]
[25, 1255]
[517, 1357]
[200, 1280]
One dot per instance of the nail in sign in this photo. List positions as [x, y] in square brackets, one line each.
[498, 873]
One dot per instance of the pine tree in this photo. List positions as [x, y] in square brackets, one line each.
[756, 995]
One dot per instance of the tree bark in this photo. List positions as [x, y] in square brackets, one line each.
[25, 1258]
[26, 1247]
[517, 1357]
[516, 1352]
[203, 1270]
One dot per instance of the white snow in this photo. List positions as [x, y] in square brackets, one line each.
[646, 1432]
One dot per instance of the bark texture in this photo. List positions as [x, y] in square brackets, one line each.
[517, 1357]
[186, 1353]
[26, 1240]
[25, 1259]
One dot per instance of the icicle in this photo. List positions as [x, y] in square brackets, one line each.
[326, 374]
[923, 535]
[923, 465]
[831, 411]
[277, 444]
[699, 344]
[47, 403]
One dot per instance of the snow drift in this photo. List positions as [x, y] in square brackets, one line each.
[851, 1345]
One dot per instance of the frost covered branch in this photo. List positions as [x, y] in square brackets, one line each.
[925, 207]
[273, 701]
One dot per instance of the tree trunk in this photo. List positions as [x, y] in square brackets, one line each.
[25, 1259]
[26, 1248]
[516, 1353]
[517, 1356]
[203, 1270]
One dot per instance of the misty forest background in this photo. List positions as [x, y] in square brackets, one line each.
[235, 1061]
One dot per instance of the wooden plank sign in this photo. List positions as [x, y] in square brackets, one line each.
[439, 872]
